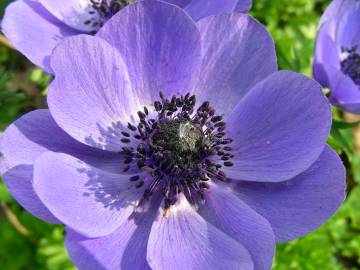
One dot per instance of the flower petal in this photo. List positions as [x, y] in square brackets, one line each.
[243, 5]
[88, 200]
[78, 14]
[326, 49]
[348, 33]
[232, 216]
[238, 52]
[198, 9]
[36, 133]
[91, 96]
[33, 31]
[279, 129]
[123, 249]
[336, 10]
[184, 240]
[160, 45]
[180, 3]
[25, 140]
[2, 160]
[300, 205]
[18, 181]
[343, 88]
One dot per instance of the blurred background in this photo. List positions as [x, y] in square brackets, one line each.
[28, 243]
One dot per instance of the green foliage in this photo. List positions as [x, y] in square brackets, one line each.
[11, 100]
[3, 4]
[28, 243]
[292, 25]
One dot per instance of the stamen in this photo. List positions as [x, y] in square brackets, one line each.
[174, 148]
[104, 9]
[350, 65]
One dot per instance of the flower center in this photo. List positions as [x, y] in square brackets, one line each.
[351, 64]
[104, 9]
[183, 141]
[174, 146]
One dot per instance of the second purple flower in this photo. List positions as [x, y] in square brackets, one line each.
[337, 54]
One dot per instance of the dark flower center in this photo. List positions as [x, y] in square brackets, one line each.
[174, 146]
[105, 9]
[183, 141]
[351, 64]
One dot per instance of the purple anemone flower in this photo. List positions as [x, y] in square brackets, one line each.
[170, 144]
[35, 27]
[337, 54]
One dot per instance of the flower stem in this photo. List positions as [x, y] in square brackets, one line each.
[4, 41]
[17, 224]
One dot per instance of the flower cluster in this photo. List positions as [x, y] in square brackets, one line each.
[170, 143]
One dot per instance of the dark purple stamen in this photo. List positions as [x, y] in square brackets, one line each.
[351, 64]
[173, 147]
[104, 9]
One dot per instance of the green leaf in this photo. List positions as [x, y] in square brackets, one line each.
[52, 253]
[343, 140]
[338, 124]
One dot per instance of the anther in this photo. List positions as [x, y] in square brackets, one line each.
[131, 127]
[125, 134]
[134, 178]
[228, 164]
[217, 118]
[140, 184]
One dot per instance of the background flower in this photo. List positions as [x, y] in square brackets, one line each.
[35, 27]
[77, 171]
[337, 55]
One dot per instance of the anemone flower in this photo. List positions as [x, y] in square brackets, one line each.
[175, 145]
[337, 54]
[35, 27]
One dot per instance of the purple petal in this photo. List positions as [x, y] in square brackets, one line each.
[202, 8]
[88, 200]
[344, 92]
[238, 52]
[33, 31]
[91, 97]
[123, 249]
[243, 6]
[279, 128]
[327, 50]
[343, 88]
[183, 240]
[348, 33]
[160, 45]
[300, 205]
[74, 13]
[2, 161]
[198, 9]
[26, 139]
[180, 3]
[320, 73]
[18, 182]
[336, 9]
[228, 213]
